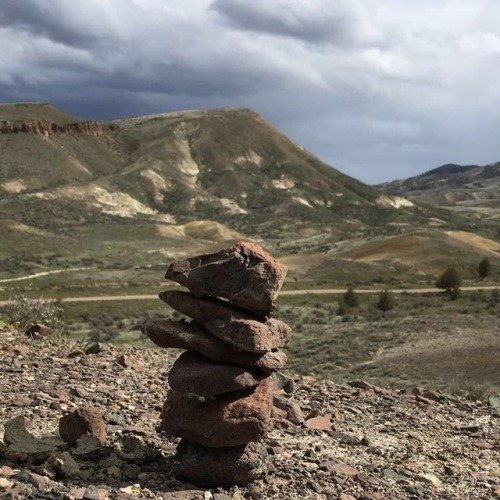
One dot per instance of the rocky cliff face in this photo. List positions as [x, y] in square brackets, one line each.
[46, 128]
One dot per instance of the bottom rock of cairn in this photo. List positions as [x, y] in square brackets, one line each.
[221, 392]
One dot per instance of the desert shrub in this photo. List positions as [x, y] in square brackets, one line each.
[450, 281]
[23, 312]
[350, 297]
[342, 308]
[103, 335]
[385, 300]
[484, 268]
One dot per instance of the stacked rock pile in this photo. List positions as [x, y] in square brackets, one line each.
[221, 394]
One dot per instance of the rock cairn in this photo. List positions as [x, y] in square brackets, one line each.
[221, 394]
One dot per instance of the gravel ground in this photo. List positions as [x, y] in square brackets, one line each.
[359, 441]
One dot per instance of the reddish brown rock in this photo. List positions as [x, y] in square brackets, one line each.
[240, 329]
[230, 420]
[212, 467]
[192, 336]
[244, 274]
[82, 421]
[195, 374]
[319, 423]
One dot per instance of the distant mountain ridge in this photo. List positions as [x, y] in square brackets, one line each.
[461, 186]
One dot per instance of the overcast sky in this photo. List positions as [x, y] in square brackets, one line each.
[380, 89]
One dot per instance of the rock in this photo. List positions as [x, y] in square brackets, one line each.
[37, 331]
[283, 382]
[319, 423]
[22, 446]
[229, 420]
[5, 484]
[82, 421]
[240, 329]
[429, 478]
[293, 412]
[344, 470]
[192, 336]
[6, 471]
[88, 448]
[133, 449]
[195, 374]
[494, 401]
[229, 466]
[95, 348]
[64, 465]
[244, 274]
[130, 362]
[41, 483]
[93, 493]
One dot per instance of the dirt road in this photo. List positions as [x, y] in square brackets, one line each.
[310, 291]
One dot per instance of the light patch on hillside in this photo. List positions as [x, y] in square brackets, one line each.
[23, 228]
[201, 229]
[250, 157]
[475, 240]
[393, 201]
[433, 221]
[283, 182]
[303, 201]
[13, 187]
[232, 207]
[118, 203]
[160, 185]
[78, 165]
[187, 165]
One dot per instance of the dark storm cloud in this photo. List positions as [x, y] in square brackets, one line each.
[47, 19]
[378, 88]
[314, 22]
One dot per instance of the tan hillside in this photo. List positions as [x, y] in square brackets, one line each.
[426, 252]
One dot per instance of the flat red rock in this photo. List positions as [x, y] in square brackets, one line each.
[236, 327]
[245, 274]
[229, 420]
[194, 337]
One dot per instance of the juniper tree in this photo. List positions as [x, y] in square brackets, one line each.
[484, 268]
[450, 281]
[350, 297]
[385, 300]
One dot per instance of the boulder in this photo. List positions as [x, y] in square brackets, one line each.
[232, 419]
[232, 325]
[194, 337]
[213, 467]
[37, 331]
[244, 274]
[23, 447]
[82, 421]
[195, 374]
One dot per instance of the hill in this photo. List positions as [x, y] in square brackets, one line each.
[133, 192]
[471, 190]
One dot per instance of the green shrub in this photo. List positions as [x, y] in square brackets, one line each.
[450, 281]
[22, 312]
[351, 298]
[385, 301]
[484, 268]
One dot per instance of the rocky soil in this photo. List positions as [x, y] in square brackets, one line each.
[358, 441]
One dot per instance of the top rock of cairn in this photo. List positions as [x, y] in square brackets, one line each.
[245, 274]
